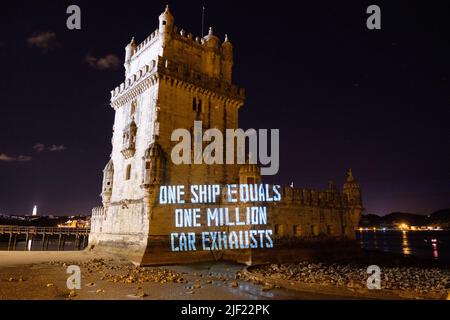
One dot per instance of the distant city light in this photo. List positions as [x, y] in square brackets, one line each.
[34, 211]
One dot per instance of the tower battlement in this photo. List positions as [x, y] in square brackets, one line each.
[204, 55]
[176, 71]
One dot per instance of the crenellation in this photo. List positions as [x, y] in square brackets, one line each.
[175, 71]
[309, 197]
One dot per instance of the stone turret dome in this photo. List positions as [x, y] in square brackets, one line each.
[166, 16]
[351, 183]
[154, 151]
[227, 47]
[109, 166]
[211, 40]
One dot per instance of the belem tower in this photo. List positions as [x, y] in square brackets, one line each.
[172, 79]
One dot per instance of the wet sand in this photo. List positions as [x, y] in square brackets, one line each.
[42, 275]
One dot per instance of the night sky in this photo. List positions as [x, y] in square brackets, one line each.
[342, 95]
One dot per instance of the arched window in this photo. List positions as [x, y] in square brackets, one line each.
[194, 104]
[128, 172]
[199, 107]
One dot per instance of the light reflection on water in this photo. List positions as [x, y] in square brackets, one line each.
[405, 243]
[423, 244]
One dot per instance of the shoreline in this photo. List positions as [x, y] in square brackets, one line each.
[42, 275]
[352, 289]
[17, 258]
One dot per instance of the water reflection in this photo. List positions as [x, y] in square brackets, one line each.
[435, 248]
[405, 243]
[425, 244]
[375, 241]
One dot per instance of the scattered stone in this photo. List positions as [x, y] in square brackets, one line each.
[72, 294]
[267, 287]
[141, 294]
[234, 284]
[420, 280]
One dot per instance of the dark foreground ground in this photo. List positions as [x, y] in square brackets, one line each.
[42, 275]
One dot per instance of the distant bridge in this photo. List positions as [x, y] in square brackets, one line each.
[44, 234]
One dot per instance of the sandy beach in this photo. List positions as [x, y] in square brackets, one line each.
[43, 275]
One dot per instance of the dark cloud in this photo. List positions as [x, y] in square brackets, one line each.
[42, 40]
[107, 62]
[21, 158]
[40, 147]
[54, 148]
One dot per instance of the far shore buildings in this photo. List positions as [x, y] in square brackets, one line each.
[172, 79]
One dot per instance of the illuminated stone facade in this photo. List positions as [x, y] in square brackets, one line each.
[171, 80]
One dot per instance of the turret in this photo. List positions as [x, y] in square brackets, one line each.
[130, 50]
[249, 173]
[227, 49]
[166, 21]
[227, 62]
[107, 185]
[352, 190]
[153, 165]
[211, 40]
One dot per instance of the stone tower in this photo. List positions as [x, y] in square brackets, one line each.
[171, 80]
[352, 189]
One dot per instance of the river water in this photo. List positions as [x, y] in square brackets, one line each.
[422, 244]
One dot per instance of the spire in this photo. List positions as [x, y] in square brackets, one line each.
[133, 46]
[130, 50]
[350, 177]
[167, 12]
[210, 32]
[166, 21]
[226, 38]
[352, 189]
